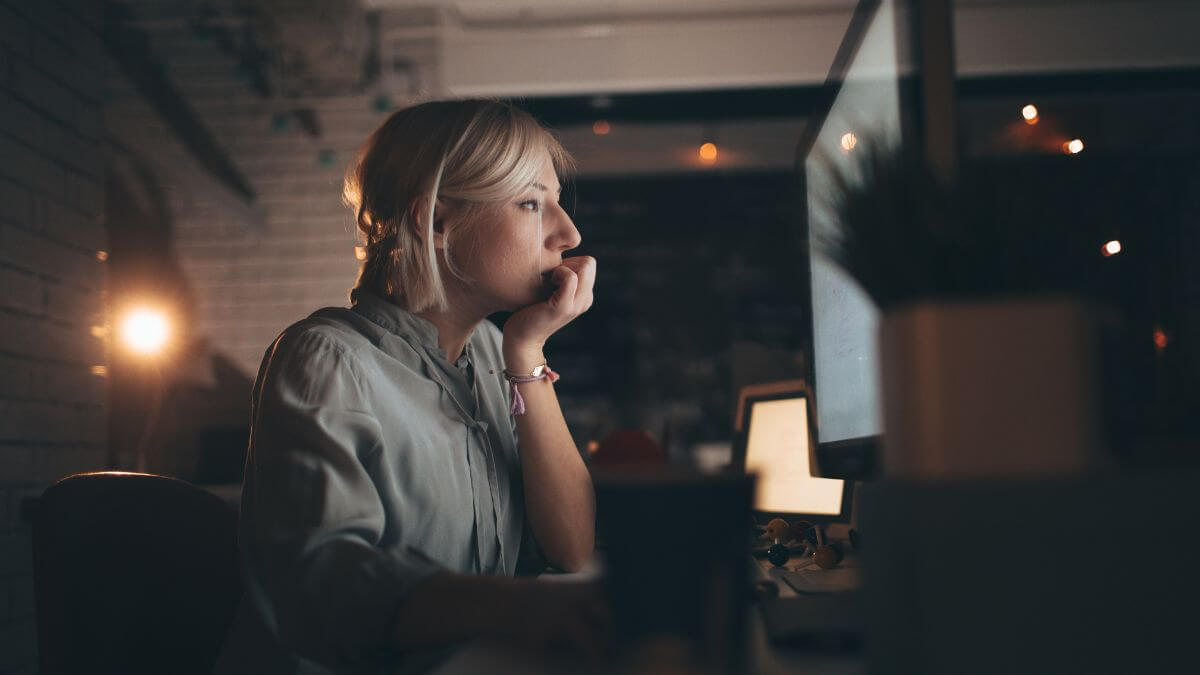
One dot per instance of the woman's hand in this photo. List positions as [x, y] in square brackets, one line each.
[526, 331]
[561, 616]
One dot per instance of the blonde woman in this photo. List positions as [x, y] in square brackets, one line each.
[408, 459]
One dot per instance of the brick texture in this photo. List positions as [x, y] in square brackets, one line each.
[53, 410]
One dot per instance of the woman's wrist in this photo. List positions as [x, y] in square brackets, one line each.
[521, 360]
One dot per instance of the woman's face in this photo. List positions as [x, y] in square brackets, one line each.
[501, 250]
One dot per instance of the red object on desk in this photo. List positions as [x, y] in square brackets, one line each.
[629, 449]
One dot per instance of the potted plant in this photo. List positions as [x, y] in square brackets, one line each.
[989, 349]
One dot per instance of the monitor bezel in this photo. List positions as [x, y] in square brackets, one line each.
[742, 437]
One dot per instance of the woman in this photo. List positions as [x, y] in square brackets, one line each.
[386, 507]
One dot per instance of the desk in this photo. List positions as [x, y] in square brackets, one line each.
[499, 659]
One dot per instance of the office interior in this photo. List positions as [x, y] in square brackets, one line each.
[171, 199]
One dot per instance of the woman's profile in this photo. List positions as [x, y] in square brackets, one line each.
[408, 460]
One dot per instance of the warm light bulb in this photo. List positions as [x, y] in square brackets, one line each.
[1030, 113]
[849, 141]
[708, 153]
[601, 127]
[1073, 147]
[1111, 248]
[145, 330]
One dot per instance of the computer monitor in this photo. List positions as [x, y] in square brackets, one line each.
[774, 443]
[888, 85]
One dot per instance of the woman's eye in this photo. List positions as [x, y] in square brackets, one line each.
[531, 205]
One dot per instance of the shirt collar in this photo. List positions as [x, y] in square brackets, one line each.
[396, 319]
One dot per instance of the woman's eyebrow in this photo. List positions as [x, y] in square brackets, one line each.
[543, 188]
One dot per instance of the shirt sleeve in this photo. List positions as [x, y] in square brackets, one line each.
[316, 516]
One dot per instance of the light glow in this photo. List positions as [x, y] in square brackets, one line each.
[101, 255]
[601, 127]
[708, 153]
[360, 252]
[849, 141]
[1160, 339]
[1030, 113]
[145, 330]
[1110, 248]
[1073, 147]
[100, 371]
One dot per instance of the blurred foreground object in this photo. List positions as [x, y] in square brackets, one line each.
[134, 573]
[989, 350]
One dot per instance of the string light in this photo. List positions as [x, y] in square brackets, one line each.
[1073, 147]
[1030, 113]
[1110, 248]
[708, 153]
[601, 127]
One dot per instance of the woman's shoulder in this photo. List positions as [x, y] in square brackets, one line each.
[327, 336]
[332, 328]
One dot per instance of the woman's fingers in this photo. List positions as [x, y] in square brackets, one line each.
[584, 268]
[563, 298]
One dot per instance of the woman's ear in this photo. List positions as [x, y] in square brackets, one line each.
[419, 213]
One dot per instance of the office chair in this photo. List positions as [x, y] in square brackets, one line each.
[134, 573]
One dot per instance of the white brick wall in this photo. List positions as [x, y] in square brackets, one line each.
[252, 268]
[53, 418]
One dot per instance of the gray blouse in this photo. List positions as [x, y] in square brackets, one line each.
[373, 463]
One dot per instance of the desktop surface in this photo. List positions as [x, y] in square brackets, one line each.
[763, 658]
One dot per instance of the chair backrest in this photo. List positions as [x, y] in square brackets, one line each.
[134, 573]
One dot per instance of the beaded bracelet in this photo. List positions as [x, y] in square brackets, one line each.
[539, 373]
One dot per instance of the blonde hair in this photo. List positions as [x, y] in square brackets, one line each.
[470, 153]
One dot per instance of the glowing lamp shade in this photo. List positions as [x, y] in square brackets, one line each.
[145, 331]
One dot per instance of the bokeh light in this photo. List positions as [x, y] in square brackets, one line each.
[1111, 248]
[1030, 113]
[601, 127]
[145, 330]
[1073, 147]
[849, 141]
[708, 153]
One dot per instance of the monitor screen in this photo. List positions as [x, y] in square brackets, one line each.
[872, 99]
[865, 110]
[777, 451]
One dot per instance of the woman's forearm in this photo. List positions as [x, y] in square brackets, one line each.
[447, 607]
[559, 500]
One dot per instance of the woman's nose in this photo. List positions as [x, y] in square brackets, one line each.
[566, 235]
